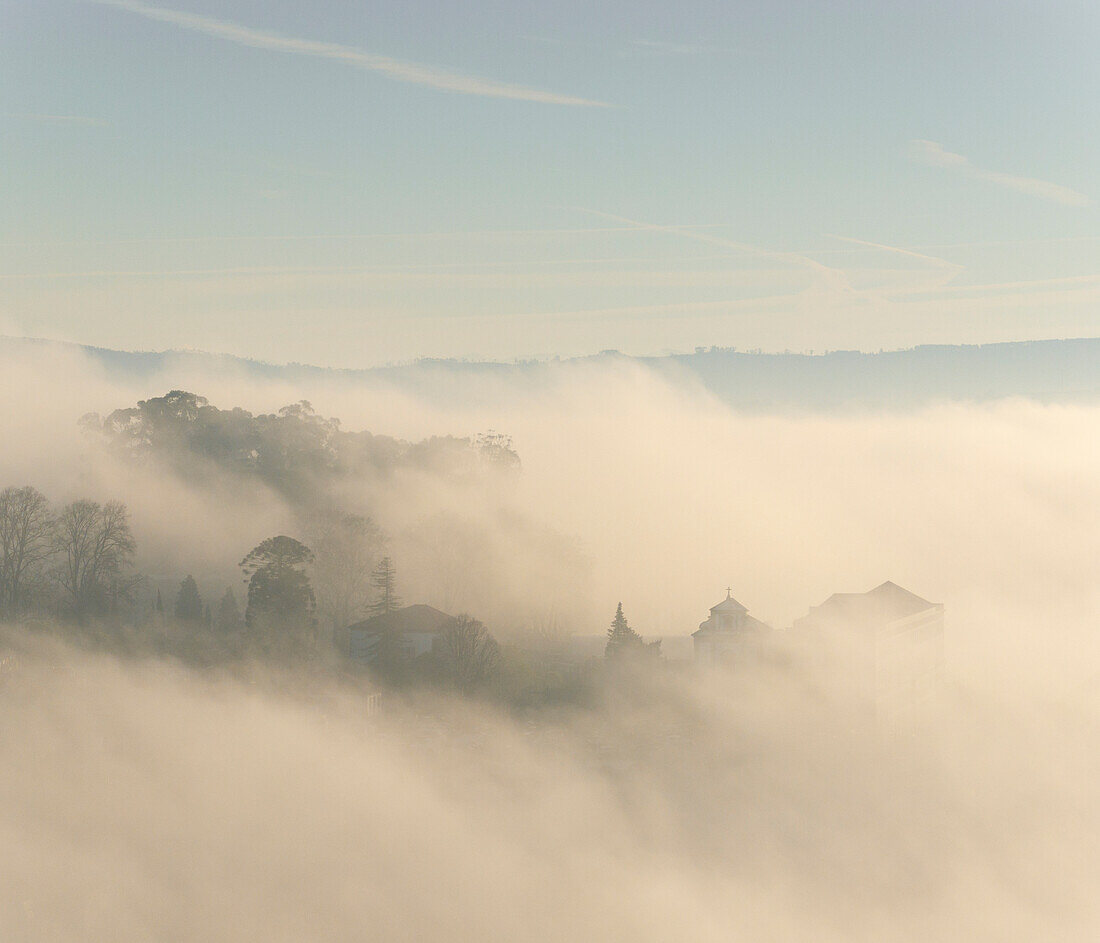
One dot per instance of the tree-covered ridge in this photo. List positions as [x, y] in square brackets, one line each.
[288, 450]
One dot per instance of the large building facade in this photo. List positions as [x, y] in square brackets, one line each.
[885, 647]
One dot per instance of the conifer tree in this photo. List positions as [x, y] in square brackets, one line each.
[188, 601]
[621, 638]
[384, 581]
[229, 615]
[624, 642]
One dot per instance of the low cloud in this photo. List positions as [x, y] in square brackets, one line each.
[147, 801]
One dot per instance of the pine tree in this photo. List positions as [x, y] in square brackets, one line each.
[229, 616]
[279, 590]
[188, 601]
[384, 580]
[280, 608]
[159, 604]
[621, 638]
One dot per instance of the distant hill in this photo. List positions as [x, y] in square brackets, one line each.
[1048, 371]
[1051, 370]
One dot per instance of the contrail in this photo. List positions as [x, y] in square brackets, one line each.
[396, 69]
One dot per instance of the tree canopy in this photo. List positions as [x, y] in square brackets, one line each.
[468, 654]
[96, 546]
[27, 538]
[188, 602]
[280, 597]
[228, 617]
[288, 450]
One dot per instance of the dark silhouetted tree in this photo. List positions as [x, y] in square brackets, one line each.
[95, 545]
[621, 638]
[26, 540]
[467, 653]
[384, 581]
[229, 616]
[188, 602]
[292, 450]
[624, 643]
[280, 606]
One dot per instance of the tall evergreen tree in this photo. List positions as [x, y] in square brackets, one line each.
[384, 581]
[229, 615]
[159, 606]
[621, 638]
[624, 642]
[188, 601]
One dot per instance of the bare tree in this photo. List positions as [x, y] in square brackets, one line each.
[26, 539]
[469, 655]
[345, 549]
[96, 546]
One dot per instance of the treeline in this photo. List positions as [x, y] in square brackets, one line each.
[75, 564]
[75, 559]
[292, 450]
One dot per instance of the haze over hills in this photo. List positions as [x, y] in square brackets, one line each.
[1064, 370]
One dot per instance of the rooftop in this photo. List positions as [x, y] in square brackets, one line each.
[729, 604]
[415, 618]
[884, 603]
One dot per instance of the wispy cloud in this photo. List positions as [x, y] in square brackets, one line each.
[935, 155]
[395, 69]
[899, 250]
[829, 277]
[72, 120]
[656, 47]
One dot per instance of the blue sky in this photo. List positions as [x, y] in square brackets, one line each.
[355, 183]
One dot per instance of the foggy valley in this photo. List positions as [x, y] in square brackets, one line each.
[549, 472]
[181, 772]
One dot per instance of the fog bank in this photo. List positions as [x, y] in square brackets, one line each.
[145, 802]
[648, 490]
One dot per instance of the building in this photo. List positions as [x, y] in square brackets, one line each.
[885, 646]
[728, 634]
[418, 626]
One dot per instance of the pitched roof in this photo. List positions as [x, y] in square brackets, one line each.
[416, 618]
[884, 603]
[729, 604]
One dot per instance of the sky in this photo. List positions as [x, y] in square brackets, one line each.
[352, 184]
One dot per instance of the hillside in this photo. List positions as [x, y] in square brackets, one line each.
[1049, 371]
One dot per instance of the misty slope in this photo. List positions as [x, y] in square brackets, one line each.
[1050, 371]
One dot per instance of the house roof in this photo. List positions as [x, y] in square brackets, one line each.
[416, 618]
[884, 603]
